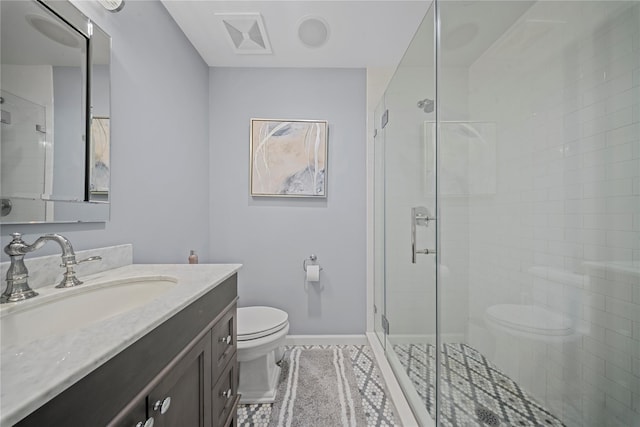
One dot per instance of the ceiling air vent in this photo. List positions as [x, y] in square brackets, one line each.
[246, 32]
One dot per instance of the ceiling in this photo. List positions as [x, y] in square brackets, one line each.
[32, 35]
[24, 44]
[362, 33]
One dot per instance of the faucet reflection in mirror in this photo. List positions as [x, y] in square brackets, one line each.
[18, 288]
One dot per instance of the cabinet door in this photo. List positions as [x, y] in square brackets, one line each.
[134, 415]
[183, 396]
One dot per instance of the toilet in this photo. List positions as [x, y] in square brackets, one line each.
[528, 321]
[522, 334]
[261, 335]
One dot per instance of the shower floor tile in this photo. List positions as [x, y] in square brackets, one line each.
[475, 392]
[377, 406]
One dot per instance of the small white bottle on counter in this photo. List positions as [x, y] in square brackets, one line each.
[193, 257]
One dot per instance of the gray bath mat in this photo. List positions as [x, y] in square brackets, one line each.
[317, 388]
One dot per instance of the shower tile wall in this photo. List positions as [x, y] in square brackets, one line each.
[562, 229]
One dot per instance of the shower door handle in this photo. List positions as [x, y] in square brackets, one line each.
[419, 216]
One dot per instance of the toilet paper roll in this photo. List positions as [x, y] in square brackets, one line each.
[313, 273]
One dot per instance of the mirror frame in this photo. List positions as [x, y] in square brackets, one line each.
[86, 210]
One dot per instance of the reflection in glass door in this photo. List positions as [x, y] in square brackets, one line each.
[540, 159]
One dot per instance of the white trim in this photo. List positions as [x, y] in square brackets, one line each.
[326, 340]
[403, 410]
[425, 338]
[370, 290]
[414, 401]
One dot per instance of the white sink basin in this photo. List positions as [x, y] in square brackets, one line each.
[60, 311]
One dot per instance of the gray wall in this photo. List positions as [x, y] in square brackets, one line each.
[159, 150]
[271, 236]
[100, 87]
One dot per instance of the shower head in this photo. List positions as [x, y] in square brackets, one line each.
[427, 105]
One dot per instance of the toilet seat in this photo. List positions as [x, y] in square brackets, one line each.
[530, 318]
[257, 322]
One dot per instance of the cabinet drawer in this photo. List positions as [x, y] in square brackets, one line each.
[223, 341]
[224, 393]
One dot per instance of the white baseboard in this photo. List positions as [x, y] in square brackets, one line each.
[411, 395]
[326, 340]
[403, 410]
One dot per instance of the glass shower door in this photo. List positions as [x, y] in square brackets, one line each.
[405, 149]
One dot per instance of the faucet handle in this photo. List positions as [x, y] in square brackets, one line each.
[16, 246]
[69, 279]
[91, 258]
[71, 260]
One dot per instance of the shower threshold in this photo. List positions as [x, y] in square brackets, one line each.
[474, 391]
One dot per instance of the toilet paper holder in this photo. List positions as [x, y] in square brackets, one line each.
[313, 259]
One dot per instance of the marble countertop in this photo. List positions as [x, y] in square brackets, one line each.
[31, 374]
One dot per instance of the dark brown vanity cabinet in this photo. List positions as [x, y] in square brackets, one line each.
[184, 373]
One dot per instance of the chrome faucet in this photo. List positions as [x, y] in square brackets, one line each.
[17, 285]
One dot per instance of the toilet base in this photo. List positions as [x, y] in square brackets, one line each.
[259, 379]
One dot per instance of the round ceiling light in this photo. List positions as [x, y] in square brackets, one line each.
[112, 5]
[53, 31]
[460, 36]
[313, 32]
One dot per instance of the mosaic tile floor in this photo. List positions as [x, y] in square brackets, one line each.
[475, 392]
[377, 406]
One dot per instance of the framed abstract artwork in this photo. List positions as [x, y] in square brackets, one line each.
[288, 158]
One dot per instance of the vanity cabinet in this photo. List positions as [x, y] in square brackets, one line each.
[184, 373]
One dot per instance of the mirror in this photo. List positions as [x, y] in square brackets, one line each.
[55, 102]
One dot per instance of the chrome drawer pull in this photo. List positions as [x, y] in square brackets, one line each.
[226, 340]
[162, 405]
[227, 394]
[147, 423]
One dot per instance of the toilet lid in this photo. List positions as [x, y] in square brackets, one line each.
[257, 322]
[530, 318]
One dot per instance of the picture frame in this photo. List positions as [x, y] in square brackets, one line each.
[100, 168]
[288, 158]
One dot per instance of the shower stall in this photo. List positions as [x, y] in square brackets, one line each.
[507, 215]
